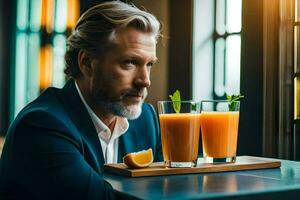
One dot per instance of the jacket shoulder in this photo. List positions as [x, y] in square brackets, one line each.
[46, 112]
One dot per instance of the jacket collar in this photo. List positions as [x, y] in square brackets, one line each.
[79, 115]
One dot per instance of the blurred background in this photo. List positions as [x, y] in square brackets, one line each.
[209, 48]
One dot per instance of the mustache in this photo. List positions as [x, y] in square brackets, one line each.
[134, 92]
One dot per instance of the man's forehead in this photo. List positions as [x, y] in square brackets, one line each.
[134, 43]
[134, 36]
[140, 55]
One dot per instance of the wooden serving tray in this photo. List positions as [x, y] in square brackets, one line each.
[157, 169]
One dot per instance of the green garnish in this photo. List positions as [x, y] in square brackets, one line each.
[176, 101]
[232, 101]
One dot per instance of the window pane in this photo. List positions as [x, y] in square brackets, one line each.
[73, 13]
[203, 49]
[297, 49]
[297, 98]
[47, 14]
[45, 66]
[219, 67]
[33, 63]
[59, 43]
[234, 16]
[60, 15]
[35, 15]
[233, 57]
[220, 17]
[21, 71]
[297, 10]
[22, 14]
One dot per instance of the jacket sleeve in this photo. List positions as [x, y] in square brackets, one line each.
[50, 165]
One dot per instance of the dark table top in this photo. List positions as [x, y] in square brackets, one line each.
[275, 183]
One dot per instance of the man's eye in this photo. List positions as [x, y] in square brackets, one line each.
[150, 64]
[129, 62]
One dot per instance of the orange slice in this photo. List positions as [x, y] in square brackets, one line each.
[140, 159]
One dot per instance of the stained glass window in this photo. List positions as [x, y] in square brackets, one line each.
[297, 62]
[42, 29]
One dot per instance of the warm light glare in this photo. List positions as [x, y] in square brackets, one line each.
[73, 13]
[45, 67]
[296, 47]
[47, 15]
[229, 182]
[297, 4]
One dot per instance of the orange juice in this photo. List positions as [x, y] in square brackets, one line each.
[180, 136]
[219, 133]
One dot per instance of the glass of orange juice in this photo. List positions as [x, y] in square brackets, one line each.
[219, 129]
[180, 132]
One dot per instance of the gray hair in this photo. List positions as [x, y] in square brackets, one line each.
[97, 25]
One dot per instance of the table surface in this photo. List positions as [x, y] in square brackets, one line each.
[278, 183]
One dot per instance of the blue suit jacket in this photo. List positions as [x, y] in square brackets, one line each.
[52, 150]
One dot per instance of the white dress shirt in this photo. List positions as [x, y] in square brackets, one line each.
[109, 141]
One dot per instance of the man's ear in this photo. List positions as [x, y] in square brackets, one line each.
[84, 63]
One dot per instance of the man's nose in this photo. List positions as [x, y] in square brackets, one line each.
[143, 77]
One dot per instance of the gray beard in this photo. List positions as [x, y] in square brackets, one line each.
[117, 108]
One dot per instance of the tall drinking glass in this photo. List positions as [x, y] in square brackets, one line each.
[179, 132]
[219, 129]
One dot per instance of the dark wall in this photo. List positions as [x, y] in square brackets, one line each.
[86, 4]
[250, 138]
[180, 48]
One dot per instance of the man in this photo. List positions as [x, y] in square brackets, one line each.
[58, 144]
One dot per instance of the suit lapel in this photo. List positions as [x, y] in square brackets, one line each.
[79, 115]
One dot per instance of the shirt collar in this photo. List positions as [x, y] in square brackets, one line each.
[103, 131]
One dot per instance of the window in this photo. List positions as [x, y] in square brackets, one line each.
[296, 76]
[217, 48]
[42, 28]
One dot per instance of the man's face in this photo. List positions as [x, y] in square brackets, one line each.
[121, 77]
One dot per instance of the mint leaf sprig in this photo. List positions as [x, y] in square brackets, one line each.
[232, 100]
[176, 100]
